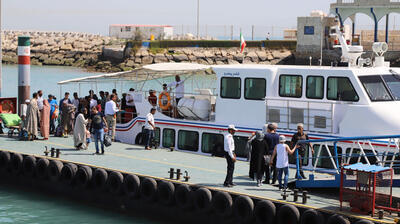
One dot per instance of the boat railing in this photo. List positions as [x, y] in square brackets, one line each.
[365, 145]
[316, 116]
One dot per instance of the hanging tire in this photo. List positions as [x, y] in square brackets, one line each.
[364, 222]
[100, 177]
[288, 214]
[183, 196]
[243, 208]
[54, 170]
[202, 199]
[132, 186]
[29, 166]
[148, 189]
[139, 140]
[166, 192]
[83, 176]
[16, 163]
[5, 159]
[42, 168]
[222, 203]
[115, 182]
[311, 216]
[265, 212]
[68, 173]
[337, 219]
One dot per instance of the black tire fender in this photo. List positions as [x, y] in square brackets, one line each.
[337, 219]
[132, 186]
[202, 199]
[363, 222]
[54, 170]
[29, 166]
[84, 176]
[16, 163]
[311, 216]
[115, 182]
[183, 196]
[148, 189]
[243, 208]
[166, 192]
[222, 203]
[42, 168]
[265, 212]
[288, 214]
[68, 173]
[100, 177]
[5, 159]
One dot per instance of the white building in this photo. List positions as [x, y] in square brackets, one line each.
[141, 32]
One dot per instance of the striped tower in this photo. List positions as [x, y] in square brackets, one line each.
[24, 69]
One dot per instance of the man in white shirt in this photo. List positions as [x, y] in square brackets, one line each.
[149, 128]
[130, 105]
[40, 100]
[110, 112]
[179, 88]
[229, 148]
[75, 101]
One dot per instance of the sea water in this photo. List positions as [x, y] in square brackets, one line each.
[19, 206]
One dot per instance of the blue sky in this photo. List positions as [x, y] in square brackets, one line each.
[94, 16]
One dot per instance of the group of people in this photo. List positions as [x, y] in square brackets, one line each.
[269, 154]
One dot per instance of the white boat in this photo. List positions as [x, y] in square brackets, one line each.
[362, 99]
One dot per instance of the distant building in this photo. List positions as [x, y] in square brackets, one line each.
[290, 34]
[141, 32]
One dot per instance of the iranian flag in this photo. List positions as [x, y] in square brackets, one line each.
[242, 43]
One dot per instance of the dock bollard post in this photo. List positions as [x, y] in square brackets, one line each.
[186, 177]
[46, 152]
[380, 214]
[52, 151]
[305, 197]
[295, 195]
[284, 195]
[58, 153]
[171, 173]
[178, 174]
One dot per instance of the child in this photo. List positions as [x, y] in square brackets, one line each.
[282, 152]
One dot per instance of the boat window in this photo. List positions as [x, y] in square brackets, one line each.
[240, 146]
[168, 138]
[290, 86]
[356, 154]
[315, 87]
[340, 88]
[188, 140]
[324, 160]
[393, 83]
[230, 87]
[157, 135]
[212, 143]
[254, 88]
[375, 88]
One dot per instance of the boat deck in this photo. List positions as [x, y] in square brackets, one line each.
[203, 170]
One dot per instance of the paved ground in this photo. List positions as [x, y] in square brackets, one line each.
[203, 170]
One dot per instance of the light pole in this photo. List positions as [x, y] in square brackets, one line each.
[1, 55]
[198, 19]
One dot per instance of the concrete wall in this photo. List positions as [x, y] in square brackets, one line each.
[144, 32]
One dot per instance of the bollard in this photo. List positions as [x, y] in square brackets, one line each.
[171, 173]
[380, 214]
[295, 195]
[284, 194]
[52, 151]
[58, 153]
[186, 177]
[46, 152]
[305, 197]
[171, 149]
[178, 174]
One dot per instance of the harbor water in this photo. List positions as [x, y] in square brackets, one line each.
[21, 206]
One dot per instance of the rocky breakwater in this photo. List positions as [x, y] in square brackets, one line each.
[56, 48]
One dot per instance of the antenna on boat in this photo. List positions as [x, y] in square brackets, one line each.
[380, 48]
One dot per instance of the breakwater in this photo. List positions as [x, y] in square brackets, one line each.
[101, 53]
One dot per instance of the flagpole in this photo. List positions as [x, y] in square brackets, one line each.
[198, 19]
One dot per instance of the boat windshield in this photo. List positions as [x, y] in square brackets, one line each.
[393, 83]
[375, 87]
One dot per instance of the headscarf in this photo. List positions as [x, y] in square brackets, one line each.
[259, 135]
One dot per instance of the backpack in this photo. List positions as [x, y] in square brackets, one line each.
[107, 140]
[23, 135]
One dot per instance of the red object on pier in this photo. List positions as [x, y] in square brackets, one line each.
[8, 105]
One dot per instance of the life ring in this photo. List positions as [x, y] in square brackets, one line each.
[68, 173]
[41, 168]
[54, 170]
[183, 196]
[265, 212]
[84, 176]
[5, 158]
[148, 189]
[288, 214]
[114, 182]
[311, 216]
[243, 208]
[132, 185]
[29, 166]
[222, 203]
[100, 177]
[16, 163]
[165, 192]
[337, 219]
[202, 199]
[168, 105]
